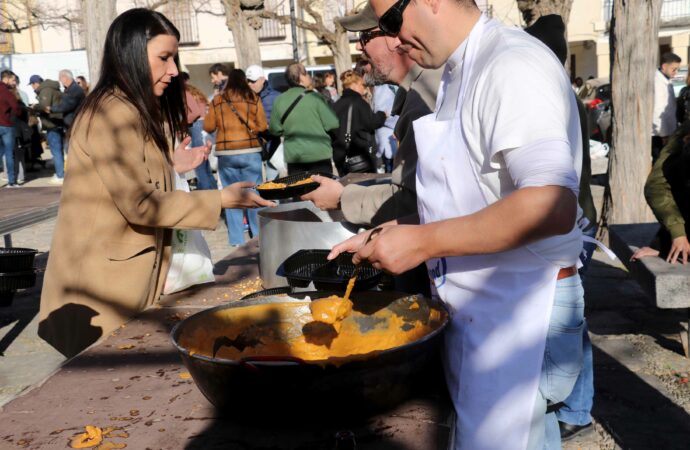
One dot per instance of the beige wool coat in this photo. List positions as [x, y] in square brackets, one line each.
[111, 247]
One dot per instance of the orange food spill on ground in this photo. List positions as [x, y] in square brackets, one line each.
[185, 375]
[91, 438]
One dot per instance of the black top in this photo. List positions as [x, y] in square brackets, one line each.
[364, 122]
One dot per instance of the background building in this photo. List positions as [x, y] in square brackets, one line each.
[47, 48]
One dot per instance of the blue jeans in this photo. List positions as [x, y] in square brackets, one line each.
[563, 360]
[231, 169]
[578, 406]
[54, 138]
[7, 149]
[204, 175]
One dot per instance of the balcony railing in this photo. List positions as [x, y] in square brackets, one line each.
[672, 11]
[183, 16]
[271, 30]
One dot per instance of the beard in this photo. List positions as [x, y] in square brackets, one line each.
[375, 77]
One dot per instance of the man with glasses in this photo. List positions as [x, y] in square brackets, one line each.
[497, 182]
[416, 96]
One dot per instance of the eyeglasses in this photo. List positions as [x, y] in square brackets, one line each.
[391, 21]
[366, 36]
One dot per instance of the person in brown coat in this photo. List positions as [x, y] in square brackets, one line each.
[238, 116]
[111, 247]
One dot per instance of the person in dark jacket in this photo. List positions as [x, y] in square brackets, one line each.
[9, 109]
[352, 151]
[71, 100]
[49, 95]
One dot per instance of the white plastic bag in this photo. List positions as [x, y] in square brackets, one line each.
[191, 258]
[598, 149]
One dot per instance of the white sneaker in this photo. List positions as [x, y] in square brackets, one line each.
[56, 180]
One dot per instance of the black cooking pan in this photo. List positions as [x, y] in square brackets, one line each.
[266, 384]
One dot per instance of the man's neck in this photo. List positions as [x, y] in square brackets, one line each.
[465, 20]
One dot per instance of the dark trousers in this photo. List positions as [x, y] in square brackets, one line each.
[317, 166]
[657, 145]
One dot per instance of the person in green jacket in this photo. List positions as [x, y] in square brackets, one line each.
[304, 119]
[667, 191]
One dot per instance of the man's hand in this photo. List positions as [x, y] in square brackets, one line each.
[394, 248]
[679, 249]
[237, 195]
[327, 195]
[642, 252]
[189, 159]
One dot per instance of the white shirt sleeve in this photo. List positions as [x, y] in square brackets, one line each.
[544, 163]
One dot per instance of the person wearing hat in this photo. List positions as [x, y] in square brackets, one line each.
[373, 205]
[49, 95]
[497, 183]
[262, 87]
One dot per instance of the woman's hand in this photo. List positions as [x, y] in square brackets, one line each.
[237, 195]
[185, 159]
[679, 249]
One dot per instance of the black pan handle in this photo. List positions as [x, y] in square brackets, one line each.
[249, 361]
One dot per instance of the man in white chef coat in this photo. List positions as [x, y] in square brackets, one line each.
[497, 183]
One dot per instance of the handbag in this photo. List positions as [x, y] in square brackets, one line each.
[266, 151]
[191, 258]
[356, 163]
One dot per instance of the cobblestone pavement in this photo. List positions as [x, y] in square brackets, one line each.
[642, 398]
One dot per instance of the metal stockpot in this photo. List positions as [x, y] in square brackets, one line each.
[290, 227]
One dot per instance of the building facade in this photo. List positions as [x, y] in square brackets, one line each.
[207, 40]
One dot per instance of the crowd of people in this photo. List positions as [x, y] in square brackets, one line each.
[26, 124]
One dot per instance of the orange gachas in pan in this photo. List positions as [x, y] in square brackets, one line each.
[272, 347]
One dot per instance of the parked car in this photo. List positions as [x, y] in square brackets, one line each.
[679, 81]
[597, 99]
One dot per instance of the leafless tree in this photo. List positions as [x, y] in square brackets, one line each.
[634, 44]
[19, 15]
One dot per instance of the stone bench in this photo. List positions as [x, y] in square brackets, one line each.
[667, 285]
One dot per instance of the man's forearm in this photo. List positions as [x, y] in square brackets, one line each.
[525, 216]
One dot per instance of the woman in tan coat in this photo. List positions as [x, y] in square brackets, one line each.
[238, 116]
[111, 246]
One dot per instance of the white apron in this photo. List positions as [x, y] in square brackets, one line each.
[500, 303]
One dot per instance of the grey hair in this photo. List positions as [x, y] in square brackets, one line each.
[66, 73]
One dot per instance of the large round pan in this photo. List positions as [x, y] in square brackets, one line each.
[277, 385]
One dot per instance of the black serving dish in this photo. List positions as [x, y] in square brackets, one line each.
[306, 266]
[14, 259]
[292, 191]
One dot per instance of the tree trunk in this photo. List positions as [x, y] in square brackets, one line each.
[245, 33]
[97, 16]
[341, 52]
[634, 47]
[531, 10]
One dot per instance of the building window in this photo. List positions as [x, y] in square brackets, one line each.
[183, 16]
[272, 30]
[672, 11]
[76, 36]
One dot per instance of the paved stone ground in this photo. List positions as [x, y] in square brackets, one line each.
[642, 396]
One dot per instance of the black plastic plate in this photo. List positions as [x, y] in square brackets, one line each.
[292, 191]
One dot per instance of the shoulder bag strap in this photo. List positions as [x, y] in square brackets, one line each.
[244, 122]
[292, 106]
[348, 131]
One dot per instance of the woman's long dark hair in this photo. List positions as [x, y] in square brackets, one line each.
[237, 85]
[126, 67]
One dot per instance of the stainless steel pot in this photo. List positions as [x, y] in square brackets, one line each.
[290, 227]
